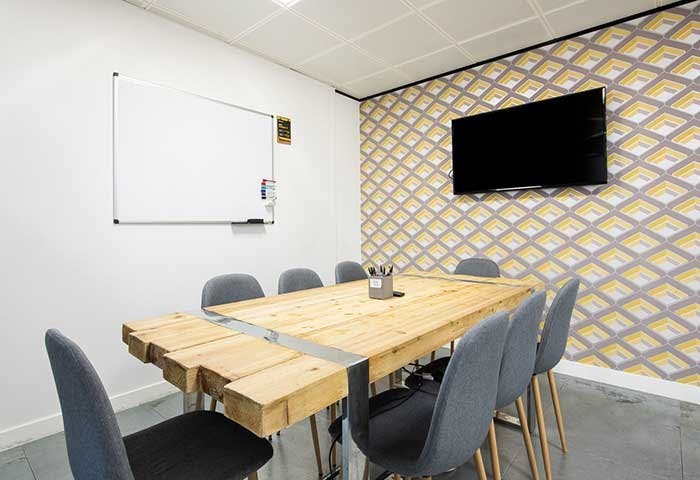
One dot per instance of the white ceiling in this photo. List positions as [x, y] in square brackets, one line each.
[363, 47]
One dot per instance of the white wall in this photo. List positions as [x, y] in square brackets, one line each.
[63, 262]
[347, 179]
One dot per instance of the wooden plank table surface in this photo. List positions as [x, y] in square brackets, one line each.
[266, 387]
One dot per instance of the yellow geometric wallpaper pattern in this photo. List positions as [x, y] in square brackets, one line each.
[634, 242]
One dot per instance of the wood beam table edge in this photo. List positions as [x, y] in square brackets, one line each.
[355, 405]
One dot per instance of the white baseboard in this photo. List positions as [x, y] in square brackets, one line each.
[45, 426]
[639, 383]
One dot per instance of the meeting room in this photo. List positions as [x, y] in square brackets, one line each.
[350, 239]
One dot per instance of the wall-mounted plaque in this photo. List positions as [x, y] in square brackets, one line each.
[284, 130]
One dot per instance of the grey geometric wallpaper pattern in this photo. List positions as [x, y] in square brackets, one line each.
[633, 242]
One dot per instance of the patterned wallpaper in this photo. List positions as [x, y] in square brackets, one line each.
[633, 242]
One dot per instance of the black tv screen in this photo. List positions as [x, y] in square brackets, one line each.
[550, 143]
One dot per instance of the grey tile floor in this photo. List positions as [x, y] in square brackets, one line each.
[612, 434]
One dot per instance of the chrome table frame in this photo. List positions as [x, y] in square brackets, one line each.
[355, 425]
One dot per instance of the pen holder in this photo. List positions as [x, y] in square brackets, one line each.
[380, 287]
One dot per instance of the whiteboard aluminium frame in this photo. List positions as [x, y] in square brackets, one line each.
[115, 137]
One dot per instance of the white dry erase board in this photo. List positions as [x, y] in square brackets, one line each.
[183, 158]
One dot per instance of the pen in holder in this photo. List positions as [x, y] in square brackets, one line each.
[381, 284]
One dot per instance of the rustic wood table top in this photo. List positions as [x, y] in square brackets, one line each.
[266, 387]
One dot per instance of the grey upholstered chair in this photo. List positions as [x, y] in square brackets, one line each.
[296, 279]
[229, 288]
[516, 371]
[478, 267]
[349, 272]
[438, 427]
[549, 352]
[197, 445]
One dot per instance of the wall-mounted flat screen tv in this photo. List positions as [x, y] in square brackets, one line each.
[549, 143]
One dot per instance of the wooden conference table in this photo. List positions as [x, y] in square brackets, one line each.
[266, 386]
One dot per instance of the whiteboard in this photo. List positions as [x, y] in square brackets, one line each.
[179, 157]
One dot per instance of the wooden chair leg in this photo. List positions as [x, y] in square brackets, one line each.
[333, 452]
[479, 464]
[253, 476]
[528, 440]
[212, 404]
[537, 397]
[452, 347]
[493, 446]
[365, 475]
[317, 447]
[373, 388]
[432, 356]
[557, 410]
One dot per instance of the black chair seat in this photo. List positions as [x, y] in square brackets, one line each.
[399, 424]
[197, 445]
[434, 370]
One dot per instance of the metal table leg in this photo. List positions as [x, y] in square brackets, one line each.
[356, 420]
[355, 406]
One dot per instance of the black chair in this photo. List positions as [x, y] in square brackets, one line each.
[435, 428]
[197, 445]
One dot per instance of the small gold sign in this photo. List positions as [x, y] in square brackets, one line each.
[284, 130]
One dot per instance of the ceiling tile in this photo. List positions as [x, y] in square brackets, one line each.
[375, 83]
[593, 13]
[341, 65]
[422, 3]
[464, 19]
[507, 40]
[408, 38]
[552, 4]
[435, 63]
[289, 39]
[138, 3]
[228, 18]
[350, 18]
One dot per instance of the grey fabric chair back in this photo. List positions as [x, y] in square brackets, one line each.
[296, 279]
[520, 349]
[478, 267]
[233, 287]
[94, 442]
[349, 272]
[556, 327]
[467, 398]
